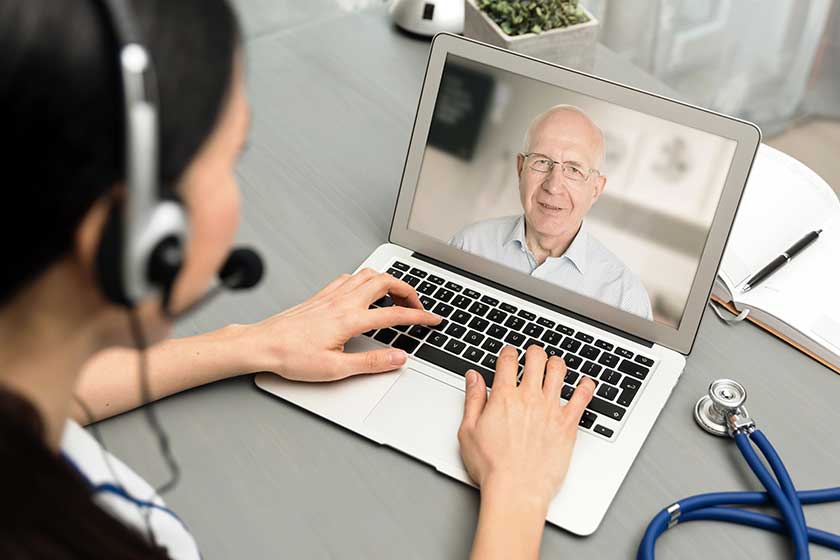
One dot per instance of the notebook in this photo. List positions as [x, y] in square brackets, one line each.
[800, 303]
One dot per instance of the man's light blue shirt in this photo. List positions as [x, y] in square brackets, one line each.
[587, 267]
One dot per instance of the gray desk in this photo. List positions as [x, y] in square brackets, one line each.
[334, 96]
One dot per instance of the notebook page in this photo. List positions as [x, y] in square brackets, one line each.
[783, 200]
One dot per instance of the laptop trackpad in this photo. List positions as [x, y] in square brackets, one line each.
[420, 416]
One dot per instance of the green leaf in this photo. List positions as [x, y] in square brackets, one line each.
[518, 17]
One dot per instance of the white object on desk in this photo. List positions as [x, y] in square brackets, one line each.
[783, 200]
[429, 17]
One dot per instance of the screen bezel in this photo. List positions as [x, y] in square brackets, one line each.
[746, 135]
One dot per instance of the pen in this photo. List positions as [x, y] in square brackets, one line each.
[781, 260]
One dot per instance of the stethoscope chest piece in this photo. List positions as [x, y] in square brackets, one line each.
[713, 411]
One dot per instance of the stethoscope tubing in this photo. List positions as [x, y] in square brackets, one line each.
[708, 506]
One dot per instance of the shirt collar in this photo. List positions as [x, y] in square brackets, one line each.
[576, 252]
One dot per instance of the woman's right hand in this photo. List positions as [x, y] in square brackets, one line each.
[518, 443]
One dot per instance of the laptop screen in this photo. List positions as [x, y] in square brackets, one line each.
[608, 202]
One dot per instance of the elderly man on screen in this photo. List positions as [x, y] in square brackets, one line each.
[558, 184]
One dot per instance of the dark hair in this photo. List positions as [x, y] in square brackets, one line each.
[62, 150]
[61, 111]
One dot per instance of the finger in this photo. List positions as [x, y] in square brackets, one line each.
[507, 368]
[395, 315]
[377, 286]
[580, 398]
[332, 286]
[555, 373]
[373, 361]
[532, 377]
[356, 280]
[475, 399]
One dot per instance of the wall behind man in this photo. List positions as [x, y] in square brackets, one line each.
[663, 183]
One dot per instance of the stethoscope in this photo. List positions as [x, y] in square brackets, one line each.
[722, 413]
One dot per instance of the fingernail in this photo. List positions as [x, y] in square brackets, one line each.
[397, 357]
[472, 377]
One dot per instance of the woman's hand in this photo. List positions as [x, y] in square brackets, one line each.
[306, 342]
[516, 446]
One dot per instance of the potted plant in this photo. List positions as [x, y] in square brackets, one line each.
[560, 31]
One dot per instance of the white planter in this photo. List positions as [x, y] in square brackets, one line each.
[568, 46]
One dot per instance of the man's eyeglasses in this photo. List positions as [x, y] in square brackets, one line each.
[543, 164]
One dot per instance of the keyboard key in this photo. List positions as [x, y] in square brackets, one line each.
[419, 273]
[547, 323]
[492, 302]
[497, 316]
[401, 328]
[624, 353]
[604, 431]
[443, 309]
[533, 342]
[608, 409]
[589, 352]
[489, 361]
[515, 338]
[436, 280]
[419, 331]
[384, 301]
[584, 337]
[455, 330]
[479, 309]
[395, 273]
[474, 337]
[440, 326]
[385, 335]
[551, 337]
[461, 301]
[400, 266]
[508, 308]
[527, 315]
[587, 419]
[426, 288]
[479, 324]
[568, 331]
[369, 333]
[452, 363]
[471, 293]
[552, 351]
[515, 323]
[411, 280]
[630, 389]
[590, 368]
[455, 346]
[572, 361]
[570, 344]
[632, 368]
[438, 339]
[571, 377]
[427, 302]
[497, 332]
[454, 287]
[567, 391]
[644, 360]
[444, 295]
[406, 343]
[473, 354]
[460, 317]
[630, 384]
[611, 376]
[492, 345]
[609, 360]
[522, 359]
[604, 345]
[607, 391]
[533, 330]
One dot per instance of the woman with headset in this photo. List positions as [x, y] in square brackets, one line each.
[67, 314]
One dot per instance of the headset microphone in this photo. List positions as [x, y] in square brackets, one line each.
[243, 269]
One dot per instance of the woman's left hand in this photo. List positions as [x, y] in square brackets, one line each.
[306, 342]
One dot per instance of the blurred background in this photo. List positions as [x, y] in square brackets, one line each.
[663, 180]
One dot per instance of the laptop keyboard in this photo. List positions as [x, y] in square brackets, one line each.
[476, 326]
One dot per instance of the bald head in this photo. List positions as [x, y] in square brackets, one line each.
[571, 119]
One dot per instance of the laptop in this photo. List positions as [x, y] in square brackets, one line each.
[502, 154]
